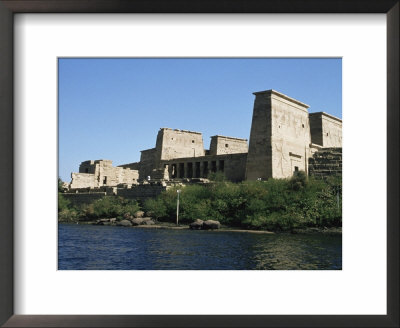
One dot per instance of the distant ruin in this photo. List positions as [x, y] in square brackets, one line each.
[284, 139]
[99, 173]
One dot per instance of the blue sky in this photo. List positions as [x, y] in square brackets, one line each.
[113, 108]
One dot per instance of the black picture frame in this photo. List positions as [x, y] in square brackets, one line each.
[7, 10]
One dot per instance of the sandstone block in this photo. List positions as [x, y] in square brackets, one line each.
[138, 214]
[211, 224]
[137, 221]
[196, 225]
[125, 223]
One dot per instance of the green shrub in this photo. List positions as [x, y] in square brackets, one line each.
[66, 212]
[108, 207]
[216, 176]
[68, 215]
[298, 180]
[63, 203]
[60, 185]
[157, 207]
[275, 204]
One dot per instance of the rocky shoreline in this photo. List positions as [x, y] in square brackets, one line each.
[143, 220]
[324, 230]
[149, 223]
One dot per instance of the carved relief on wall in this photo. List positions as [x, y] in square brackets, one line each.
[282, 159]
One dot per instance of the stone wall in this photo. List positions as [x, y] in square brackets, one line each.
[259, 157]
[83, 180]
[221, 145]
[290, 136]
[107, 174]
[88, 167]
[147, 163]
[141, 192]
[325, 162]
[102, 173]
[235, 167]
[326, 130]
[279, 137]
[178, 143]
[132, 166]
[316, 128]
[170, 144]
[128, 176]
[83, 198]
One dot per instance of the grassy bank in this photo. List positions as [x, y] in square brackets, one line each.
[275, 205]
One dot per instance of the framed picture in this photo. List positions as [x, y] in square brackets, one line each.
[20, 285]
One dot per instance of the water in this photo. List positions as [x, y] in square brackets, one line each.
[89, 247]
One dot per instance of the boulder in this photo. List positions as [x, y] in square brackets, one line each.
[113, 220]
[125, 223]
[211, 224]
[196, 225]
[149, 222]
[137, 221]
[127, 216]
[138, 214]
[98, 222]
[150, 214]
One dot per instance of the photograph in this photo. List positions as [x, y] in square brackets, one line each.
[199, 163]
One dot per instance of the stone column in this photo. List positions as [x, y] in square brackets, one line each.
[201, 170]
[185, 167]
[210, 167]
[166, 173]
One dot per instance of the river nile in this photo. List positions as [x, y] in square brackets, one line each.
[89, 247]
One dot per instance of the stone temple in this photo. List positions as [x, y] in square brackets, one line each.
[284, 138]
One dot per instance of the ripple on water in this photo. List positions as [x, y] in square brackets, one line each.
[88, 247]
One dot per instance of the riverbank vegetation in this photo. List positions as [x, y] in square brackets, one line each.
[106, 207]
[275, 205]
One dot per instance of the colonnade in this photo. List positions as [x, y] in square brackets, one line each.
[195, 169]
